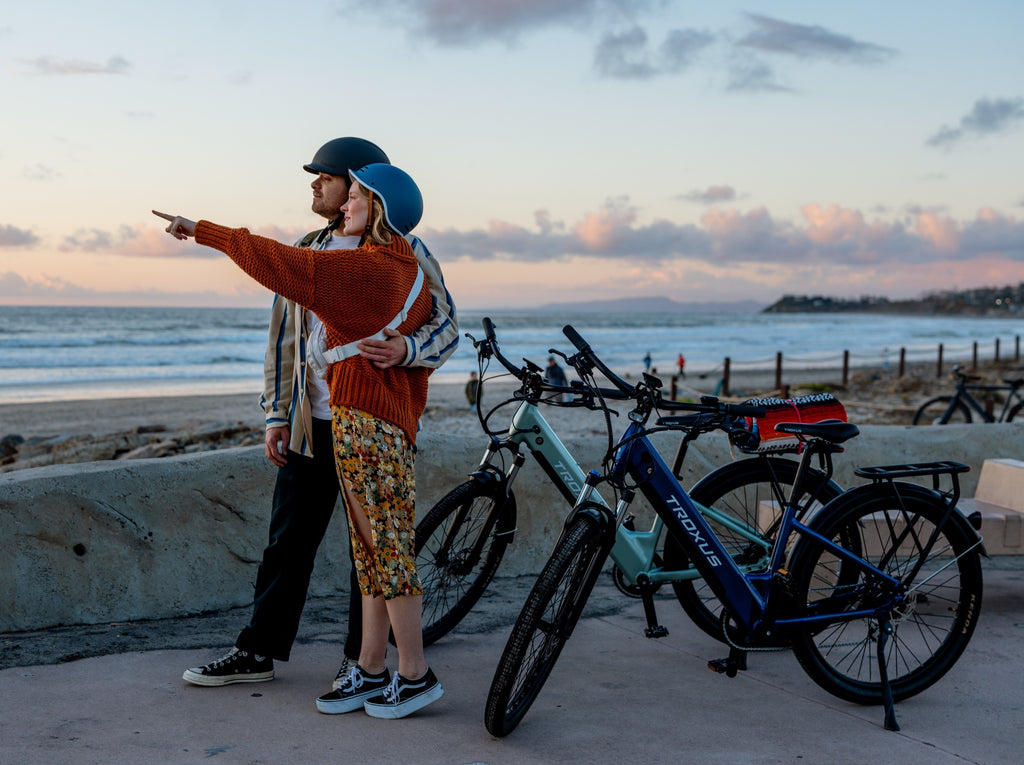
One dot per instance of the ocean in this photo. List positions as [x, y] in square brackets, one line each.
[62, 353]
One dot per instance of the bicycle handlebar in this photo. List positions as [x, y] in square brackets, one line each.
[526, 373]
[708, 405]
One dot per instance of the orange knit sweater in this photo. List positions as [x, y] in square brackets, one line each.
[355, 293]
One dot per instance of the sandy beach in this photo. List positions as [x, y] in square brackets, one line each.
[37, 434]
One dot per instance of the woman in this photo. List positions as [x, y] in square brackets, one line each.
[375, 412]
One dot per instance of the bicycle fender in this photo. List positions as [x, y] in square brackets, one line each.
[489, 474]
[600, 514]
[507, 521]
[908, 490]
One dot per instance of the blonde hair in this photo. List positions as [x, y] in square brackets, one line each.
[377, 230]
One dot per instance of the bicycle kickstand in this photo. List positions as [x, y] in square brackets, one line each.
[884, 631]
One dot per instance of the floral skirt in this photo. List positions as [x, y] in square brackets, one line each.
[376, 461]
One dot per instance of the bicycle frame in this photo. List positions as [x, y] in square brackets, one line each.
[633, 551]
[963, 395]
[748, 596]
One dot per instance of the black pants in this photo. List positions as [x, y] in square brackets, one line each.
[305, 494]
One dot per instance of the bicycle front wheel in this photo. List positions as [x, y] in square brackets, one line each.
[933, 412]
[459, 546]
[545, 624]
[929, 630]
[751, 492]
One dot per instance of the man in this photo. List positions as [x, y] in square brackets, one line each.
[555, 375]
[298, 437]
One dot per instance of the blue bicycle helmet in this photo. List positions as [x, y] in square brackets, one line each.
[399, 194]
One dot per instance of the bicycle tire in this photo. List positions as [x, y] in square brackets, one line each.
[1014, 412]
[931, 412]
[545, 623]
[933, 626]
[739, 489]
[455, 565]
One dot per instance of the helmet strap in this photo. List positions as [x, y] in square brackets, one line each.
[335, 222]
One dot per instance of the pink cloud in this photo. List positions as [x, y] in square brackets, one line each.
[940, 232]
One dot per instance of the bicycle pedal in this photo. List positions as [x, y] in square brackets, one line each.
[655, 632]
[729, 666]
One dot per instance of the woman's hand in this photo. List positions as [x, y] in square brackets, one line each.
[179, 228]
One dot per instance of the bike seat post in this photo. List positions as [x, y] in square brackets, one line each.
[811, 447]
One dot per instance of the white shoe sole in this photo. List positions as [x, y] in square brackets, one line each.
[209, 681]
[397, 711]
[341, 706]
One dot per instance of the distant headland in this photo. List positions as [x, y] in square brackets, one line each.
[984, 301]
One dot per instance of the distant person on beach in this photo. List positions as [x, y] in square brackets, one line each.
[647, 362]
[472, 390]
[555, 375]
[681, 363]
[299, 441]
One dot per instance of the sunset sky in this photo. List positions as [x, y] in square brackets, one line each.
[566, 149]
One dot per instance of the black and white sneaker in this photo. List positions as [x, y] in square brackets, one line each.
[346, 667]
[404, 696]
[235, 667]
[355, 688]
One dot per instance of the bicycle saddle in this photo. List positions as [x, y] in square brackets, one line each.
[1015, 383]
[834, 431]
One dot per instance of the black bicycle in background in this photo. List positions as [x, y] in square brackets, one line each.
[956, 409]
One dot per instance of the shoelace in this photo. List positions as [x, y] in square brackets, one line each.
[225, 660]
[353, 682]
[391, 693]
[347, 665]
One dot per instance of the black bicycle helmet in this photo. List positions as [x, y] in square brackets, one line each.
[343, 155]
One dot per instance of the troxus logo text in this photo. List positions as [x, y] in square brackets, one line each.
[691, 528]
[568, 476]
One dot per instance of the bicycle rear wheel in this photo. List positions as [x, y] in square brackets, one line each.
[459, 546]
[752, 492]
[931, 412]
[545, 624]
[942, 587]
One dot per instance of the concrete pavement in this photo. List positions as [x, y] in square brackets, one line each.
[614, 697]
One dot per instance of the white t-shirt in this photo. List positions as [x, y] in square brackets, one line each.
[316, 387]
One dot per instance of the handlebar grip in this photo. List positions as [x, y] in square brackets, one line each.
[488, 328]
[745, 410]
[575, 338]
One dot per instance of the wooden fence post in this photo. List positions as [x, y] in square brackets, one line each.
[903, 361]
[974, 355]
[846, 367]
[725, 377]
[938, 371]
[778, 370]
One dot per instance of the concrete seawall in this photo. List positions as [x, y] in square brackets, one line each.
[144, 539]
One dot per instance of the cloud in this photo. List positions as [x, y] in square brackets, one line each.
[628, 55]
[711, 195]
[46, 66]
[142, 241]
[135, 241]
[39, 172]
[782, 37]
[822, 236]
[11, 236]
[470, 22]
[754, 77]
[988, 116]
